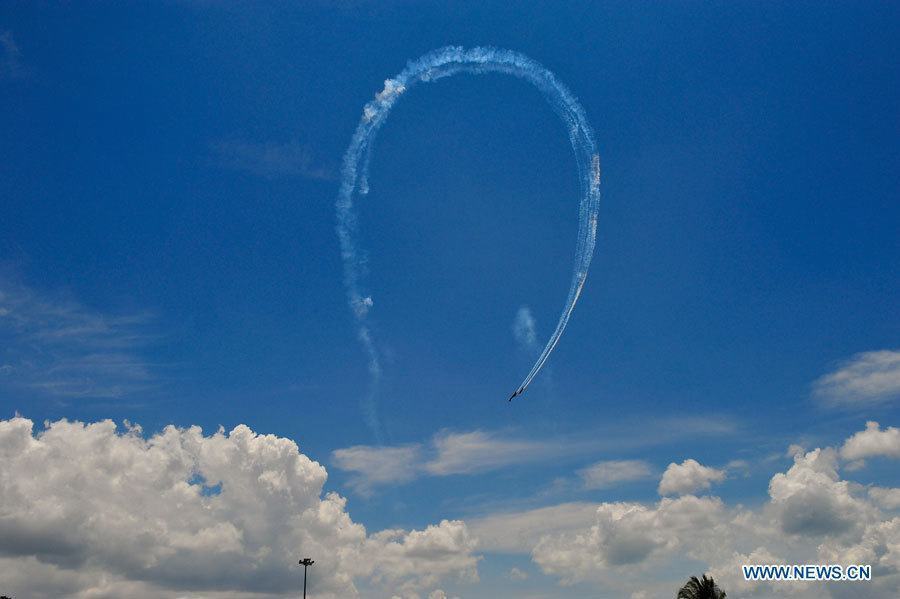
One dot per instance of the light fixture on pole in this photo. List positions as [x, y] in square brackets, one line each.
[306, 563]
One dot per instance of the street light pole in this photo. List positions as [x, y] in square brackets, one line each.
[305, 562]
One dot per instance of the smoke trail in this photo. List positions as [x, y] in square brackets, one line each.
[430, 67]
[524, 330]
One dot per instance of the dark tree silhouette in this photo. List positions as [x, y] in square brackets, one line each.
[700, 588]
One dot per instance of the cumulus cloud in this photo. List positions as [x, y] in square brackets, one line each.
[888, 498]
[878, 545]
[727, 574]
[688, 477]
[794, 449]
[872, 442]
[87, 510]
[811, 515]
[626, 534]
[867, 378]
[416, 559]
[61, 348]
[810, 499]
[611, 472]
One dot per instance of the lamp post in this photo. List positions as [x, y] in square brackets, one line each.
[306, 563]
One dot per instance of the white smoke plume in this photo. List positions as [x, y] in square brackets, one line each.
[354, 178]
[525, 329]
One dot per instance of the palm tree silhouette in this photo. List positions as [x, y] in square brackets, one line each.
[700, 588]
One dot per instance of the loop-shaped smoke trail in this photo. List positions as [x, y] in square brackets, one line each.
[435, 65]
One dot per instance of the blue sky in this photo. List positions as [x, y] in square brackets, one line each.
[168, 255]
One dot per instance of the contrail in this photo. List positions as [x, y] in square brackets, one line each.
[354, 178]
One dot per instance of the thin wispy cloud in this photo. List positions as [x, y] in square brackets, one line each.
[448, 453]
[631, 435]
[270, 160]
[481, 451]
[865, 379]
[613, 472]
[451, 453]
[378, 465]
[64, 349]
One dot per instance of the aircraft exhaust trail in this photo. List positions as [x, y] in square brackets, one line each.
[435, 65]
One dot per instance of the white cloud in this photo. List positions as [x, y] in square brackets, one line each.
[478, 451]
[609, 473]
[866, 378]
[519, 531]
[416, 559]
[878, 546]
[872, 442]
[688, 477]
[737, 465]
[794, 449]
[811, 516]
[854, 465]
[626, 534]
[887, 498]
[378, 465]
[64, 349]
[727, 574]
[88, 511]
[481, 451]
[517, 574]
[810, 499]
[450, 453]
